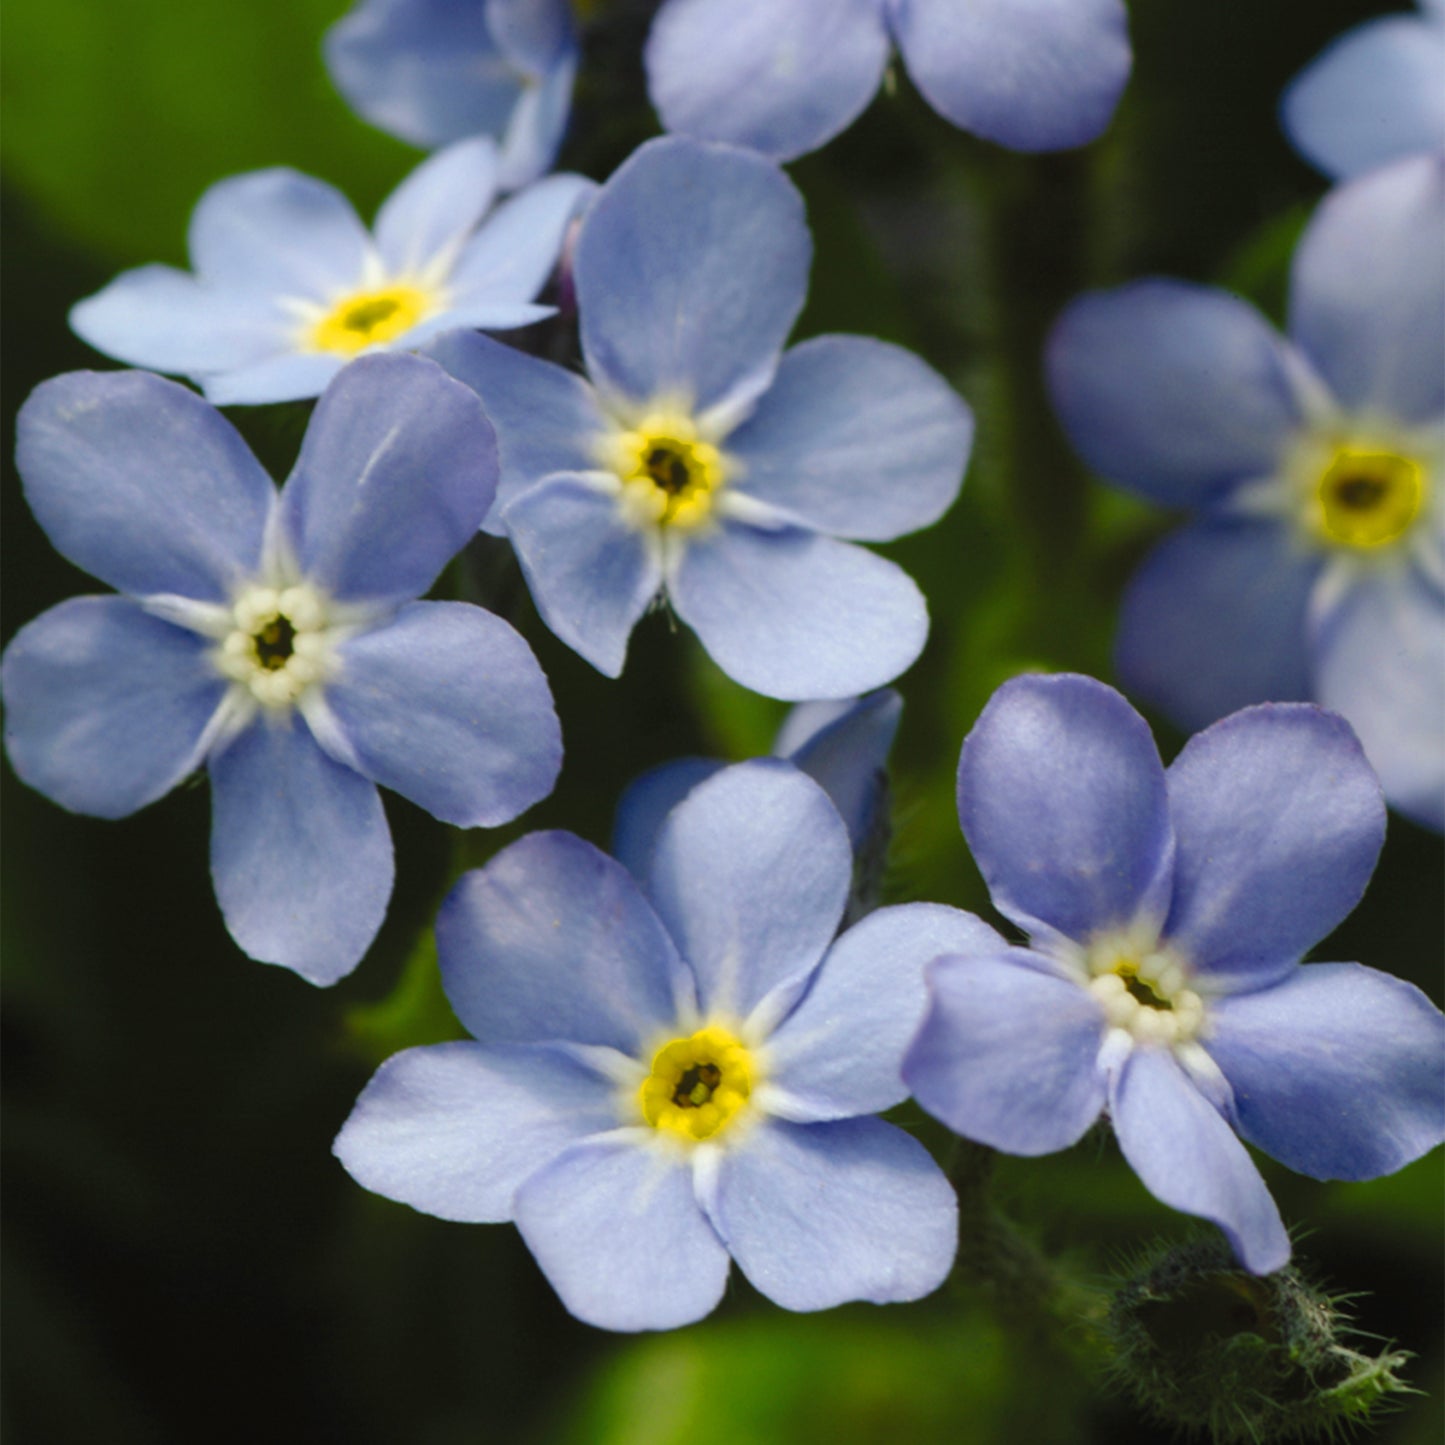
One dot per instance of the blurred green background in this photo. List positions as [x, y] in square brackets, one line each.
[183, 1260]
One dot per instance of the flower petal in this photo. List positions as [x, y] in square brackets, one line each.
[534, 132]
[277, 378]
[750, 874]
[856, 438]
[1278, 822]
[1061, 796]
[300, 852]
[1008, 1053]
[447, 705]
[1172, 390]
[1188, 1158]
[819, 1214]
[107, 708]
[1034, 75]
[691, 267]
[840, 1052]
[141, 483]
[397, 470]
[645, 804]
[1337, 1071]
[780, 79]
[455, 1129]
[553, 940]
[433, 211]
[793, 614]
[616, 1229]
[1367, 290]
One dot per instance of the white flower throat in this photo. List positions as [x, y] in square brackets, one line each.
[1144, 990]
[279, 643]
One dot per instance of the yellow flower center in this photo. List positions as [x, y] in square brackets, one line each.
[698, 1085]
[1368, 498]
[367, 318]
[670, 476]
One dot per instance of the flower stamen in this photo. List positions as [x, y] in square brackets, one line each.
[698, 1085]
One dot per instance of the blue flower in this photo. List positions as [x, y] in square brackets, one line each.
[289, 286]
[1317, 566]
[274, 639]
[702, 463]
[1167, 912]
[435, 71]
[662, 1081]
[1377, 94]
[784, 78]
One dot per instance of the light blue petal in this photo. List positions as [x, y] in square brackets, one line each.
[857, 438]
[616, 1229]
[645, 804]
[1214, 620]
[592, 574]
[1008, 1053]
[750, 874]
[277, 233]
[1373, 96]
[141, 483]
[1173, 390]
[396, 472]
[165, 320]
[1380, 660]
[819, 1214]
[496, 314]
[781, 79]
[1034, 75]
[1061, 796]
[432, 212]
[533, 134]
[553, 940]
[300, 852]
[446, 705]
[792, 614]
[840, 1052]
[281, 378]
[691, 268]
[106, 707]
[1278, 821]
[547, 418]
[1367, 290]
[455, 1129]
[535, 34]
[1338, 1070]
[1188, 1158]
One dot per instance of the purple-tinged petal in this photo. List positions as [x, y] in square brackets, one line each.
[617, 1230]
[1214, 620]
[533, 34]
[1062, 800]
[1337, 1071]
[1034, 75]
[781, 79]
[692, 265]
[793, 614]
[840, 1052]
[438, 205]
[856, 438]
[397, 470]
[819, 1214]
[1173, 390]
[1278, 821]
[447, 705]
[1367, 290]
[106, 707]
[591, 573]
[141, 483]
[645, 804]
[455, 1129]
[300, 852]
[279, 378]
[1178, 1144]
[553, 940]
[538, 122]
[750, 874]
[1008, 1053]
[1373, 96]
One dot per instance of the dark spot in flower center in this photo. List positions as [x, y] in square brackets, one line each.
[696, 1086]
[668, 467]
[274, 643]
[366, 316]
[1142, 992]
[1360, 493]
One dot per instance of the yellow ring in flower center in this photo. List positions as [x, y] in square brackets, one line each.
[367, 318]
[1368, 498]
[669, 475]
[698, 1085]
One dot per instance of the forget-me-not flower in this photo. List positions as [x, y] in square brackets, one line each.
[274, 639]
[435, 71]
[662, 1080]
[1377, 94]
[1316, 568]
[701, 462]
[783, 78]
[289, 285]
[1167, 911]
